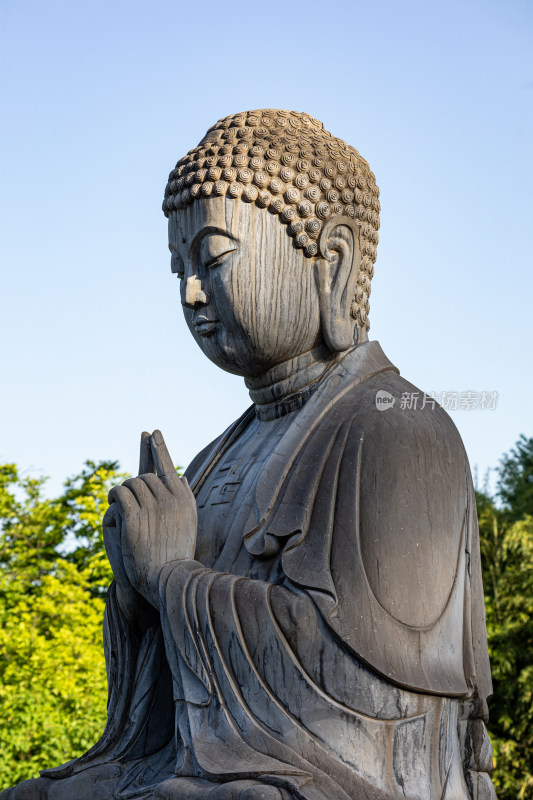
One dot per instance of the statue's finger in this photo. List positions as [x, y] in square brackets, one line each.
[111, 528]
[156, 486]
[124, 499]
[163, 462]
[140, 491]
[111, 517]
[186, 489]
[146, 460]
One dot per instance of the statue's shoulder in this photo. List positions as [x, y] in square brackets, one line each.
[389, 411]
[384, 405]
[413, 489]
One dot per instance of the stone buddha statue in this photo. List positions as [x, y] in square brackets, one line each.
[300, 616]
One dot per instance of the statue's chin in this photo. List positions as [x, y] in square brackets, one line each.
[248, 356]
[227, 352]
[223, 353]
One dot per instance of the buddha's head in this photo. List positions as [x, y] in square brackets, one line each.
[273, 228]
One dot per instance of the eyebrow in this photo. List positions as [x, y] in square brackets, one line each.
[211, 229]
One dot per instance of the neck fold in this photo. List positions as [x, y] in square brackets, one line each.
[287, 386]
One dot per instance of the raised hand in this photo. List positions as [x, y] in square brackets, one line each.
[137, 610]
[157, 513]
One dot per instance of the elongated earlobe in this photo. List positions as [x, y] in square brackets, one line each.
[337, 274]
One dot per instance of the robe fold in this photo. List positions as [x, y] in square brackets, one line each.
[334, 643]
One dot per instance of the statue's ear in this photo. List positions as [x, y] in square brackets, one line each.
[338, 268]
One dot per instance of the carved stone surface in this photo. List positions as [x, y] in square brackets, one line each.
[301, 616]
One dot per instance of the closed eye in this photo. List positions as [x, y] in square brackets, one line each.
[213, 261]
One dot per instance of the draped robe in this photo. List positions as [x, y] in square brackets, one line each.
[340, 651]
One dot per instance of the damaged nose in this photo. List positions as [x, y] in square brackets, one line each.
[194, 293]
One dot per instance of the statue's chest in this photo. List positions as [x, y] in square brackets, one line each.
[227, 497]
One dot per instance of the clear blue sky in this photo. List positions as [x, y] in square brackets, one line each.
[99, 101]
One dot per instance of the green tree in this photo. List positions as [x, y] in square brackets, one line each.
[507, 561]
[53, 574]
[515, 480]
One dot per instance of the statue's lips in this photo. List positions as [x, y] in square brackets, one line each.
[205, 327]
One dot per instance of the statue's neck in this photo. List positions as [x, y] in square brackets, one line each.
[287, 386]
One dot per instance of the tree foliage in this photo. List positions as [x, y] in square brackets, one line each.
[515, 480]
[507, 560]
[53, 575]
